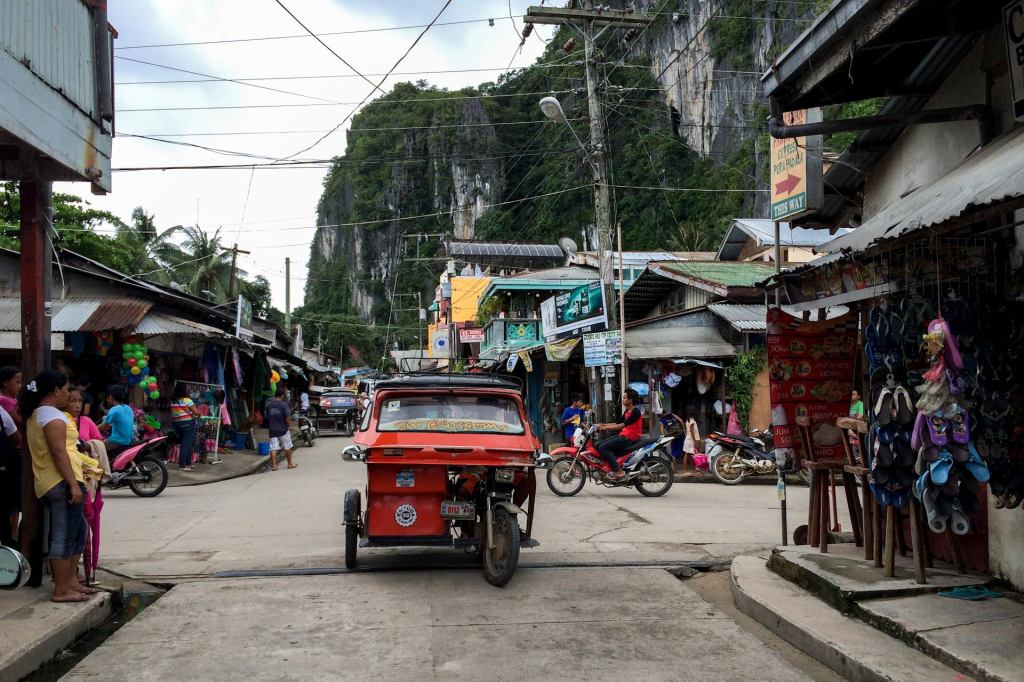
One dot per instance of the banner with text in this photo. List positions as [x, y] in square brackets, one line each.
[602, 348]
[810, 369]
[574, 312]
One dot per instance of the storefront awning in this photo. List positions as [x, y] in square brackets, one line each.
[676, 342]
[993, 174]
[81, 314]
[154, 324]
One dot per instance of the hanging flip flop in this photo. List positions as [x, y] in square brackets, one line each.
[937, 430]
[882, 495]
[976, 466]
[939, 470]
[936, 523]
[883, 406]
[937, 371]
[960, 427]
[904, 406]
[958, 520]
[950, 349]
[917, 434]
[960, 452]
[900, 497]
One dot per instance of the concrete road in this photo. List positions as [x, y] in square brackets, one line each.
[547, 624]
[291, 519]
[619, 617]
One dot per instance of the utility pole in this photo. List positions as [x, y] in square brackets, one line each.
[585, 21]
[287, 295]
[234, 251]
[36, 274]
[623, 361]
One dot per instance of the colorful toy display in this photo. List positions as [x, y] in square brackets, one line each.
[136, 368]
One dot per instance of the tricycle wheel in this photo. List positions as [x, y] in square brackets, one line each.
[566, 478]
[501, 560]
[351, 511]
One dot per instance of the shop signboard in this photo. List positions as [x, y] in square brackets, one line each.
[1013, 22]
[440, 342]
[574, 312]
[810, 373]
[797, 185]
[602, 349]
[475, 335]
[243, 319]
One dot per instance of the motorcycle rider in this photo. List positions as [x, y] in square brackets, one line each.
[630, 427]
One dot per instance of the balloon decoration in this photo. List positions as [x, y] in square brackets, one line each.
[136, 369]
[274, 379]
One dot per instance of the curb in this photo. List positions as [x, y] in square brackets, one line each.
[20, 661]
[252, 469]
[851, 648]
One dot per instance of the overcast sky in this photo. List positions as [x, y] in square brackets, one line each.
[275, 217]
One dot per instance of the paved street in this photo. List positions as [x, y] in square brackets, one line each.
[554, 620]
[291, 519]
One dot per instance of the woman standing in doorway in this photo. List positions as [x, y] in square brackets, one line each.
[10, 455]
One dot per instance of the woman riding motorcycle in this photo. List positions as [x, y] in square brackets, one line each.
[630, 427]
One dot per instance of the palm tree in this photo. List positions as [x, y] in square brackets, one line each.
[197, 261]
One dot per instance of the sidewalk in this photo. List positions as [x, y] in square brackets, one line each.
[234, 463]
[841, 610]
[34, 630]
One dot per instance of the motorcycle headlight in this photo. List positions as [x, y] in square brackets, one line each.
[578, 437]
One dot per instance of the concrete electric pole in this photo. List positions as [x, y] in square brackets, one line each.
[234, 260]
[287, 295]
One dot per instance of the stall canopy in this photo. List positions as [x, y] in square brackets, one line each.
[993, 174]
[676, 342]
[81, 314]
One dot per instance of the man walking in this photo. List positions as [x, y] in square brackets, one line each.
[571, 417]
[279, 420]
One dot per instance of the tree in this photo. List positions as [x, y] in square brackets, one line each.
[198, 263]
[258, 292]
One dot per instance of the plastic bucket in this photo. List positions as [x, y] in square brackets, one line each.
[263, 448]
[241, 439]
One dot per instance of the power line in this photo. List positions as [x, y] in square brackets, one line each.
[224, 80]
[326, 46]
[384, 78]
[306, 35]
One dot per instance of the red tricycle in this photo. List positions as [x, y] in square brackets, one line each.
[450, 462]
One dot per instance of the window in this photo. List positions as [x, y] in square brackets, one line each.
[447, 413]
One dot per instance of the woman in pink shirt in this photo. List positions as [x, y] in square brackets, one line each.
[87, 429]
[10, 386]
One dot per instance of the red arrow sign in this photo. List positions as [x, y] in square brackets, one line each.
[787, 185]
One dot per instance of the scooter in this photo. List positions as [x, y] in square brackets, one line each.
[306, 428]
[733, 458]
[648, 466]
[141, 467]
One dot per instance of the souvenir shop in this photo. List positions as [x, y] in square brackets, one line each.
[936, 337]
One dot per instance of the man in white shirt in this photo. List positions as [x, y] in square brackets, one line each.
[304, 402]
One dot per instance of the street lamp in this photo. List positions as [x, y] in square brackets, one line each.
[552, 108]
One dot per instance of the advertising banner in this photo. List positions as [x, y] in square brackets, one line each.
[574, 312]
[440, 342]
[810, 369]
[243, 319]
[475, 335]
[602, 348]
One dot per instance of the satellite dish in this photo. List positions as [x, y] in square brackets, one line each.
[568, 245]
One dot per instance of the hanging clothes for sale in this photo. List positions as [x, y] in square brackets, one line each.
[213, 369]
[261, 378]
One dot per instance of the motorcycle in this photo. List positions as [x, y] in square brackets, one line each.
[141, 467]
[306, 428]
[648, 466]
[733, 458]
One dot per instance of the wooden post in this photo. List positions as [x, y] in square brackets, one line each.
[954, 551]
[823, 477]
[890, 541]
[916, 544]
[36, 274]
[869, 512]
[876, 522]
[813, 509]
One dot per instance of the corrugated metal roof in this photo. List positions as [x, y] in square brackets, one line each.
[81, 314]
[116, 313]
[648, 343]
[751, 318]
[506, 250]
[763, 234]
[154, 324]
[995, 173]
[570, 272]
[635, 258]
[723, 274]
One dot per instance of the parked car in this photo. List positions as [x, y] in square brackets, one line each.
[337, 407]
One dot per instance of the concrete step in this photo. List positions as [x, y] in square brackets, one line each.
[842, 577]
[852, 648]
[979, 638]
[39, 629]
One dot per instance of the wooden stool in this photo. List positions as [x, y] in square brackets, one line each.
[869, 508]
[822, 478]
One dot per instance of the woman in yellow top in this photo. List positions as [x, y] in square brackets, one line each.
[52, 440]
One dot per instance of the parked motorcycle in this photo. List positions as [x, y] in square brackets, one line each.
[648, 466]
[141, 467]
[306, 428]
[733, 458]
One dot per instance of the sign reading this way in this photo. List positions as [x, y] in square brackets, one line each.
[797, 186]
[1013, 21]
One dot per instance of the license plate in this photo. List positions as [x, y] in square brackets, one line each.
[457, 510]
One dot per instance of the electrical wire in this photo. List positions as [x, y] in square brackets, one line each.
[328, 47]
[220, 79]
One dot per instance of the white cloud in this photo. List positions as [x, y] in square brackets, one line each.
[282, 202]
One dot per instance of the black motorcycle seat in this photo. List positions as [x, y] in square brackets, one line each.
[642, 442]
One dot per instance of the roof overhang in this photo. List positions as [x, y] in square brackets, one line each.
[647, 342]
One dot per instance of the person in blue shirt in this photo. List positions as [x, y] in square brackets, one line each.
[571, 417]
[119, 424]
